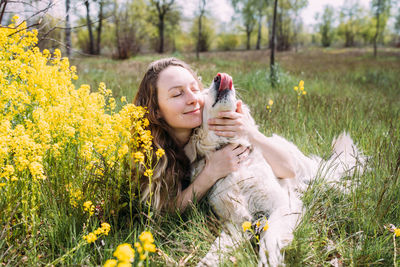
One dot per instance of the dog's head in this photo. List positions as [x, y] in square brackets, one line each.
[221, 96]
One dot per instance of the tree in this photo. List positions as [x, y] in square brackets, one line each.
[260, 15]
[202, 9]
[99, 25]
[381, 9]
[326, 26]
[89, 26]
[162, 8]
[207, 34]
[297, 5]
[350, 22]
[67, 28]
[130, 27]
[272, 59]
[397, 26]
[247, 9]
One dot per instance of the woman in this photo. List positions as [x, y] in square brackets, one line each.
[172, 93]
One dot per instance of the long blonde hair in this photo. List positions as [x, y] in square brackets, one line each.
[172, 173]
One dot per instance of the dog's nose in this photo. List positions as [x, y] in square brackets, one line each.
[224, 80]
[217, 81]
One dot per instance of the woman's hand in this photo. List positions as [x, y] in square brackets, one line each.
[224, 161]
[231, 123]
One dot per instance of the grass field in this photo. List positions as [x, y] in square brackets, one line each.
[347, 89]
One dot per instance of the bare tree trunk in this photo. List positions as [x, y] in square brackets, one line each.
[99, 27]
[198, 39]
[202, 5]
[161, 33]
[67, 28]
[89, 25]
[248, 36]
[258, 45]
[3, 8]
[272, 60]
[377, 28]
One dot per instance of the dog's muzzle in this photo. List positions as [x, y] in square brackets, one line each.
[223, 84]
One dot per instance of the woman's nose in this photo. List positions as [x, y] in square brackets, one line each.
[192, 97]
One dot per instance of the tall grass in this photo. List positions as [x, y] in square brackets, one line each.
[346, 90]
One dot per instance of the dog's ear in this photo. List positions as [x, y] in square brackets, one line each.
[190, 150]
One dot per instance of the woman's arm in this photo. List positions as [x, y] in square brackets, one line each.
[231, 124]
[219, 165]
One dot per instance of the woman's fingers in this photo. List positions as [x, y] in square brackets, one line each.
[225, 133]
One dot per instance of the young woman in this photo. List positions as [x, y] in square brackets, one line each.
[172, 93]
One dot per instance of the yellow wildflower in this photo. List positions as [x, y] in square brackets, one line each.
[110, 263]
[148, 173]
[149, 247]
[270, 102]
[90, 238]
[124, 253]
[397, 232]
[138, 247]
[124, 264]
[160, 152]
[88, 206]
[246, 226]
[266, 226]
[146, 237]
[138, 156]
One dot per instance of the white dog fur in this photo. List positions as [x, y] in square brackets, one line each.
[254, 190]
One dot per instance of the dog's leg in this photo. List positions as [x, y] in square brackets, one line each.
[282, 223]
[228, 240]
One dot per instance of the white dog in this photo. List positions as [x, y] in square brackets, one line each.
[254, 191]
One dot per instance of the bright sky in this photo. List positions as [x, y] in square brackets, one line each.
[224, 11]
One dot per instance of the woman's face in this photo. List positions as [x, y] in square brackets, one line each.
[179, 99]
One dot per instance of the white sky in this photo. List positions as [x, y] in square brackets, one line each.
[223, 11]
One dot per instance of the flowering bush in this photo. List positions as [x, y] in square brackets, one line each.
[60, 140]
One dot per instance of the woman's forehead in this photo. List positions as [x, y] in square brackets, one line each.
[174, 76]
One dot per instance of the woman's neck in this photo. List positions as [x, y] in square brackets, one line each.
[182, 137]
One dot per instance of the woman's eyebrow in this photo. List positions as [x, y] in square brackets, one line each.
[175, 87]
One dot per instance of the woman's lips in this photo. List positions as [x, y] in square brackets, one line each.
[193, 111]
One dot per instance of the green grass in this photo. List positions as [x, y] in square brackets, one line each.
[346, 90]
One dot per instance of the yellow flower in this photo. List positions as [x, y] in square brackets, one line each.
[148, 173]
[296, 88]
[397, 232]
[138, 247]
[270, 102]
[124, 253]
[88, 206]
[146, 236]
[142, 257]
[246, 226]
[149, 247]
[160, 152]
[138, 156]
[266, 226]
[2, 184]
[258, 223]
[106, 228]
[110, 263]
[90, 238]
[124, 264]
